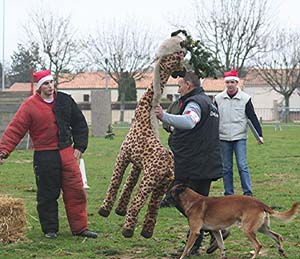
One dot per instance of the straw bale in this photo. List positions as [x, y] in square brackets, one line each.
[12, 219]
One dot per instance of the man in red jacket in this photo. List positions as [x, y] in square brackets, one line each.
[59, 133]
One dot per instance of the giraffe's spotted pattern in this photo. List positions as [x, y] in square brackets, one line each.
[145, 152]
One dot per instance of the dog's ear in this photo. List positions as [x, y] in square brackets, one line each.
[180, 188]
[177, 189]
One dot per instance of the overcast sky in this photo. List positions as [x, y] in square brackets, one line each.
[86, 14]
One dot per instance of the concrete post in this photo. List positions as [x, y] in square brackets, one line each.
[100, 112]
[275, 110]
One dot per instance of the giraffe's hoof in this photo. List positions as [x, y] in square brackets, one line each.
[120, 212]
[127, 232]
[146, 234]
[103, 212]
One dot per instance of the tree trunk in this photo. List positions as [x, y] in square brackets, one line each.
[286, 108]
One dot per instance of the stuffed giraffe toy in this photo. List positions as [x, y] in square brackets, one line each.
[144, 150]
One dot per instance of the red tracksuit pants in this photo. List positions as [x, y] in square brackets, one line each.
[57, 170]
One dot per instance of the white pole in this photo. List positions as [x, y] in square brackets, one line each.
[106, 74]
[83, 173]
[3, 77]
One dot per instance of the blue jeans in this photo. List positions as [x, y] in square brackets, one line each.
[240, 149]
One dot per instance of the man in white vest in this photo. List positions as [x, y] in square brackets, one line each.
[235, 108]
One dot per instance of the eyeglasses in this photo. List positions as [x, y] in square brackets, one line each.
[48, 82]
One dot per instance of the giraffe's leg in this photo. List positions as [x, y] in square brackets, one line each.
[145, 188]
[131, 181]
[153, 207]
[116, 179]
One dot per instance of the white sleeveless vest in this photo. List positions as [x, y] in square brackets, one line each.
[233, 119]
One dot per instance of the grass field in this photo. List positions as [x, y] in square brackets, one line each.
[275, 171]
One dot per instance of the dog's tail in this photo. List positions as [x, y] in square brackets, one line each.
[283, 216]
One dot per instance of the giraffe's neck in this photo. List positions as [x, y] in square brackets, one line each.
[142, 112]
[164, 75]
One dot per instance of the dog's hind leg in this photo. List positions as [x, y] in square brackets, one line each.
[252, 237]
[265, 229]
[218, 236]
[250, 225]
[279, 241]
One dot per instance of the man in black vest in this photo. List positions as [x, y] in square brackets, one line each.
[195, 139]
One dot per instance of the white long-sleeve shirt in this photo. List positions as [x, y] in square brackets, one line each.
[187, 120]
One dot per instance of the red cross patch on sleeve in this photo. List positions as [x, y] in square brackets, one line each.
[194, 116]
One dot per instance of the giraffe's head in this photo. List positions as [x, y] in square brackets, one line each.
[171, 54]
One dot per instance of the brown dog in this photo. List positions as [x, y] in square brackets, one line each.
[216, 213]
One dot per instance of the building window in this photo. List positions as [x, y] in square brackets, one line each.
[86, 97]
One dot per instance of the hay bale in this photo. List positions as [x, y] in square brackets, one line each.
[12, 219]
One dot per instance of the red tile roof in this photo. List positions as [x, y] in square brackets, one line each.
[254, 79]
[217, 85]
[92, 80]
[87, 80]
[20, 87]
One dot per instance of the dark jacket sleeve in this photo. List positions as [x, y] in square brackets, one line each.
[252, 117]
[79, 127]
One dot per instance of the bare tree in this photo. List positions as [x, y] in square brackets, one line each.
[57, 40]
[122, 47]
[234, 30]
[280, 66]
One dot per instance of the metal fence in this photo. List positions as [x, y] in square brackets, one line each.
[277, 114]
[263, 114]
[282, 114]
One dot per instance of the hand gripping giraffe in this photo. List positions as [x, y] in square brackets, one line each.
[144, 150]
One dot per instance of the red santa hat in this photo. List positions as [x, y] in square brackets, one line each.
[42, 76]
[231, 75]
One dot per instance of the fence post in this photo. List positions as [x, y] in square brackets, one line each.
[276, 116]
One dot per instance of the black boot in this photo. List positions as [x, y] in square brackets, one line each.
[87, 233]
[197, 244]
